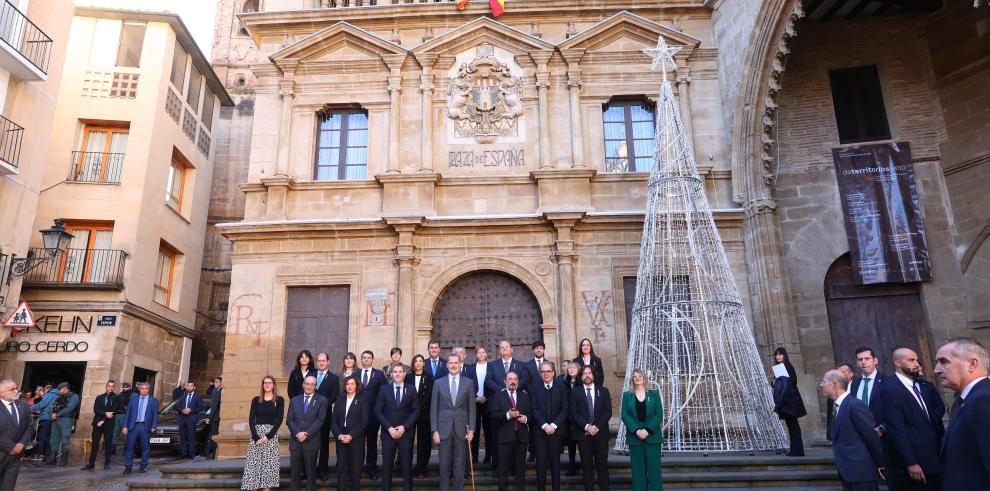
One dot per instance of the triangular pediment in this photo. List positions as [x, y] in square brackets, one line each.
[482, 30]
[340, 42]
[626, 31]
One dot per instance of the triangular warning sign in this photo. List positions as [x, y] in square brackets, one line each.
[20, 317]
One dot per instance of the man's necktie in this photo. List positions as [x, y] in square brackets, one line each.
[917, 393]
[398, 396]
[364, 380]
[142, 406]
[453, 388]
[106, 400]
[512, 398]
[546, 407]
[13, 412]
[506, 366]
[434, 368]
[865, 397]
[305, 404]
[319, 379]
[591, 405]
[956, 404]
[548, 386]
[188, 400]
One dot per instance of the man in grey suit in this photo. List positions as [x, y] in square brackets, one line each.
[306, 414]
[452, 418]
[15, 424]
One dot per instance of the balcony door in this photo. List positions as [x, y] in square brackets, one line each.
[88, 257]
[103, 155]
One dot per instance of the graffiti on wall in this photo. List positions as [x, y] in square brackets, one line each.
[598, 305]
[243, 321]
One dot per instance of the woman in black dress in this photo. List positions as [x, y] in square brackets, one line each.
[304, 368]
[787, 402]
[586, 358]
[349, 420]
[421, 379]
[261, 468]
[571, 378]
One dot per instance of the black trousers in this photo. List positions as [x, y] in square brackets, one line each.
[187, 435]
[794, 432]
[512, 463]
[482, 425]
[9, 466]
[323, 457]
[547, 449]
[898, 479]
[424, 445]
[594, 458]
[860, 486]
[106, 433]
[390, 446]
[350, 456]
[371, 447]
[301, 460]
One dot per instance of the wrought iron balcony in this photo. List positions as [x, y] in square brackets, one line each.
[78, 268]
[25, 38]
[96, 167]
[10, 143]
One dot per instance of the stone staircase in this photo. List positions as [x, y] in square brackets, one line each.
[697, 472]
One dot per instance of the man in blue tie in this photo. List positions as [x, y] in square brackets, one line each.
[436, 366]
[397, 410]
[188, 406]
[306, 414]
[328, 386]
[141, 422]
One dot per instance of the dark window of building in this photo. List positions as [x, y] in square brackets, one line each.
[629, 127]
[144, 375]
[219, 300]
[858, 101]
[342, 145]
[317, 319]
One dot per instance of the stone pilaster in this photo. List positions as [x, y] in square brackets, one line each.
[394, 63]
[541, 57]
[683, 80]
[426, 87]
[573, 58]
[405, 261]
[565, 257]
[287, 92]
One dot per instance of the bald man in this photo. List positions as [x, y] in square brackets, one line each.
[961, 365]
[914, 426]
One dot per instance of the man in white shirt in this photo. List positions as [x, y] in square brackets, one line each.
[855, 444]
[914, 426]
[372, 381]
[869, 386]
[434, 365]
[15, 424]
[328, 386]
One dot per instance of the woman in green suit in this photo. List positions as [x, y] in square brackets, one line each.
[642, 413]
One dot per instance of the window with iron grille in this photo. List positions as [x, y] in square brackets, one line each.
[342, 145]
[219, 300]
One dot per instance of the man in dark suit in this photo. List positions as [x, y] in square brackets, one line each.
[396, 411]
[551, 405]
[495, 380]
[434, 364]
[848, 371]
[188, 405]
[305, 420]
[855, 443]
[15, 433]
[513, 408]
[210, 451]
[478, 372]
[590, 410]
[178, 391]
[372, 381]
[914, 426]
[104, 409]
[452, 420]
[869, 386]
[533, 380]
[961, 364]
[140, 423]
[328, 386]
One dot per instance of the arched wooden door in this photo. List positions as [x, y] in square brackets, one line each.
[483, 308]
[882, 316]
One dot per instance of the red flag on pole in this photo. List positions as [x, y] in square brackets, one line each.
[461, 4]
[498, 6]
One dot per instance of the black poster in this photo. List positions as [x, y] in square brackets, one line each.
[884, 222]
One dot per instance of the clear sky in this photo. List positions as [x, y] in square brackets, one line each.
[198, 15]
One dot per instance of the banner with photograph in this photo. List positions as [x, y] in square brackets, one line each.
[882, 213]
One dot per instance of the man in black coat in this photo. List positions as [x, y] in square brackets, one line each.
[188, 405]
[847, 370]
[396, 411]
[855, 444]
[551, 404]
[213, 420]
[328, 386]
[961, 365]
[512, 408]
[15, 432]
[590, 410]
[104, 415]
[372, 380]
[305, 421]
[914, 426]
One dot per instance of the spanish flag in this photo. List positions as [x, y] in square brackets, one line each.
[498, 6]
[461, 4]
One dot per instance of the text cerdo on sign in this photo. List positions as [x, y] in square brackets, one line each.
[46, 346]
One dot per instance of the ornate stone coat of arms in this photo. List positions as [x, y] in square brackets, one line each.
[483, 100]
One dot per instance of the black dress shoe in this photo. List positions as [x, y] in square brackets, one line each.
[127, 470]
[106, 467]
[143, 469]
[87, 467]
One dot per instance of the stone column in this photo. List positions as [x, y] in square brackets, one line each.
[573, 58]
[287, 91]
[683, 80]
[405, 261]
[394, 63]
[541, 57]
[426, 61]
[565, 256]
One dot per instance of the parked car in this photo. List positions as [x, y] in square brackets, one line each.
[166, 436]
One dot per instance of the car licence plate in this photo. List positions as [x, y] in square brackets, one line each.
[161, 440]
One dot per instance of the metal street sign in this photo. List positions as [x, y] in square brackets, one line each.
[21, 317]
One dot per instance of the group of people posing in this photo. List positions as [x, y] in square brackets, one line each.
[519, 408]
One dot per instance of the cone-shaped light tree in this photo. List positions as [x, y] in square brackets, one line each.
[689, 332]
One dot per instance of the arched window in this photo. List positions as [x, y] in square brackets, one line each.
[341, 144]
[629, 126]
[250, 6]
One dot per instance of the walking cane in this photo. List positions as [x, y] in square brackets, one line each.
[471, 462]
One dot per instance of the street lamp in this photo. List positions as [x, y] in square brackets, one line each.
[55, 239]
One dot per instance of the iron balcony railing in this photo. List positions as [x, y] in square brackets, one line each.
[10, 141]
[78, 268]
[24, 36]
[98, 167]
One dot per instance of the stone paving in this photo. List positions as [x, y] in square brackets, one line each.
[34, 477]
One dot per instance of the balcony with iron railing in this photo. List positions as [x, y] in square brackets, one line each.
[98, 269]
[11, 135]
[96, 167]
[25, 50]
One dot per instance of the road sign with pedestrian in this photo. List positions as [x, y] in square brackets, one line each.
[21, 317]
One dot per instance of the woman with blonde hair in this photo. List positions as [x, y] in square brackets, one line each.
[261, 468]
[642, 413]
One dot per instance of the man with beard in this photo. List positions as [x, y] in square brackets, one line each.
[591, 408]
[914, 413]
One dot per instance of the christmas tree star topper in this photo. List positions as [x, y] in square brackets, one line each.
[663, 56]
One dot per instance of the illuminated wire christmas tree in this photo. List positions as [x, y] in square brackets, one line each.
[689, 331]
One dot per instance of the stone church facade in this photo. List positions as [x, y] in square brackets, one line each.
[394, 172]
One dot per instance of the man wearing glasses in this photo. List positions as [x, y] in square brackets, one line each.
[550, 410]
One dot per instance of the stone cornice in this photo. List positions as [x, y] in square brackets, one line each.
[124, 307]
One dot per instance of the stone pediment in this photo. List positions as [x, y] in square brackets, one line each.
[479, 31]
[626, 32]
[341, 42]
